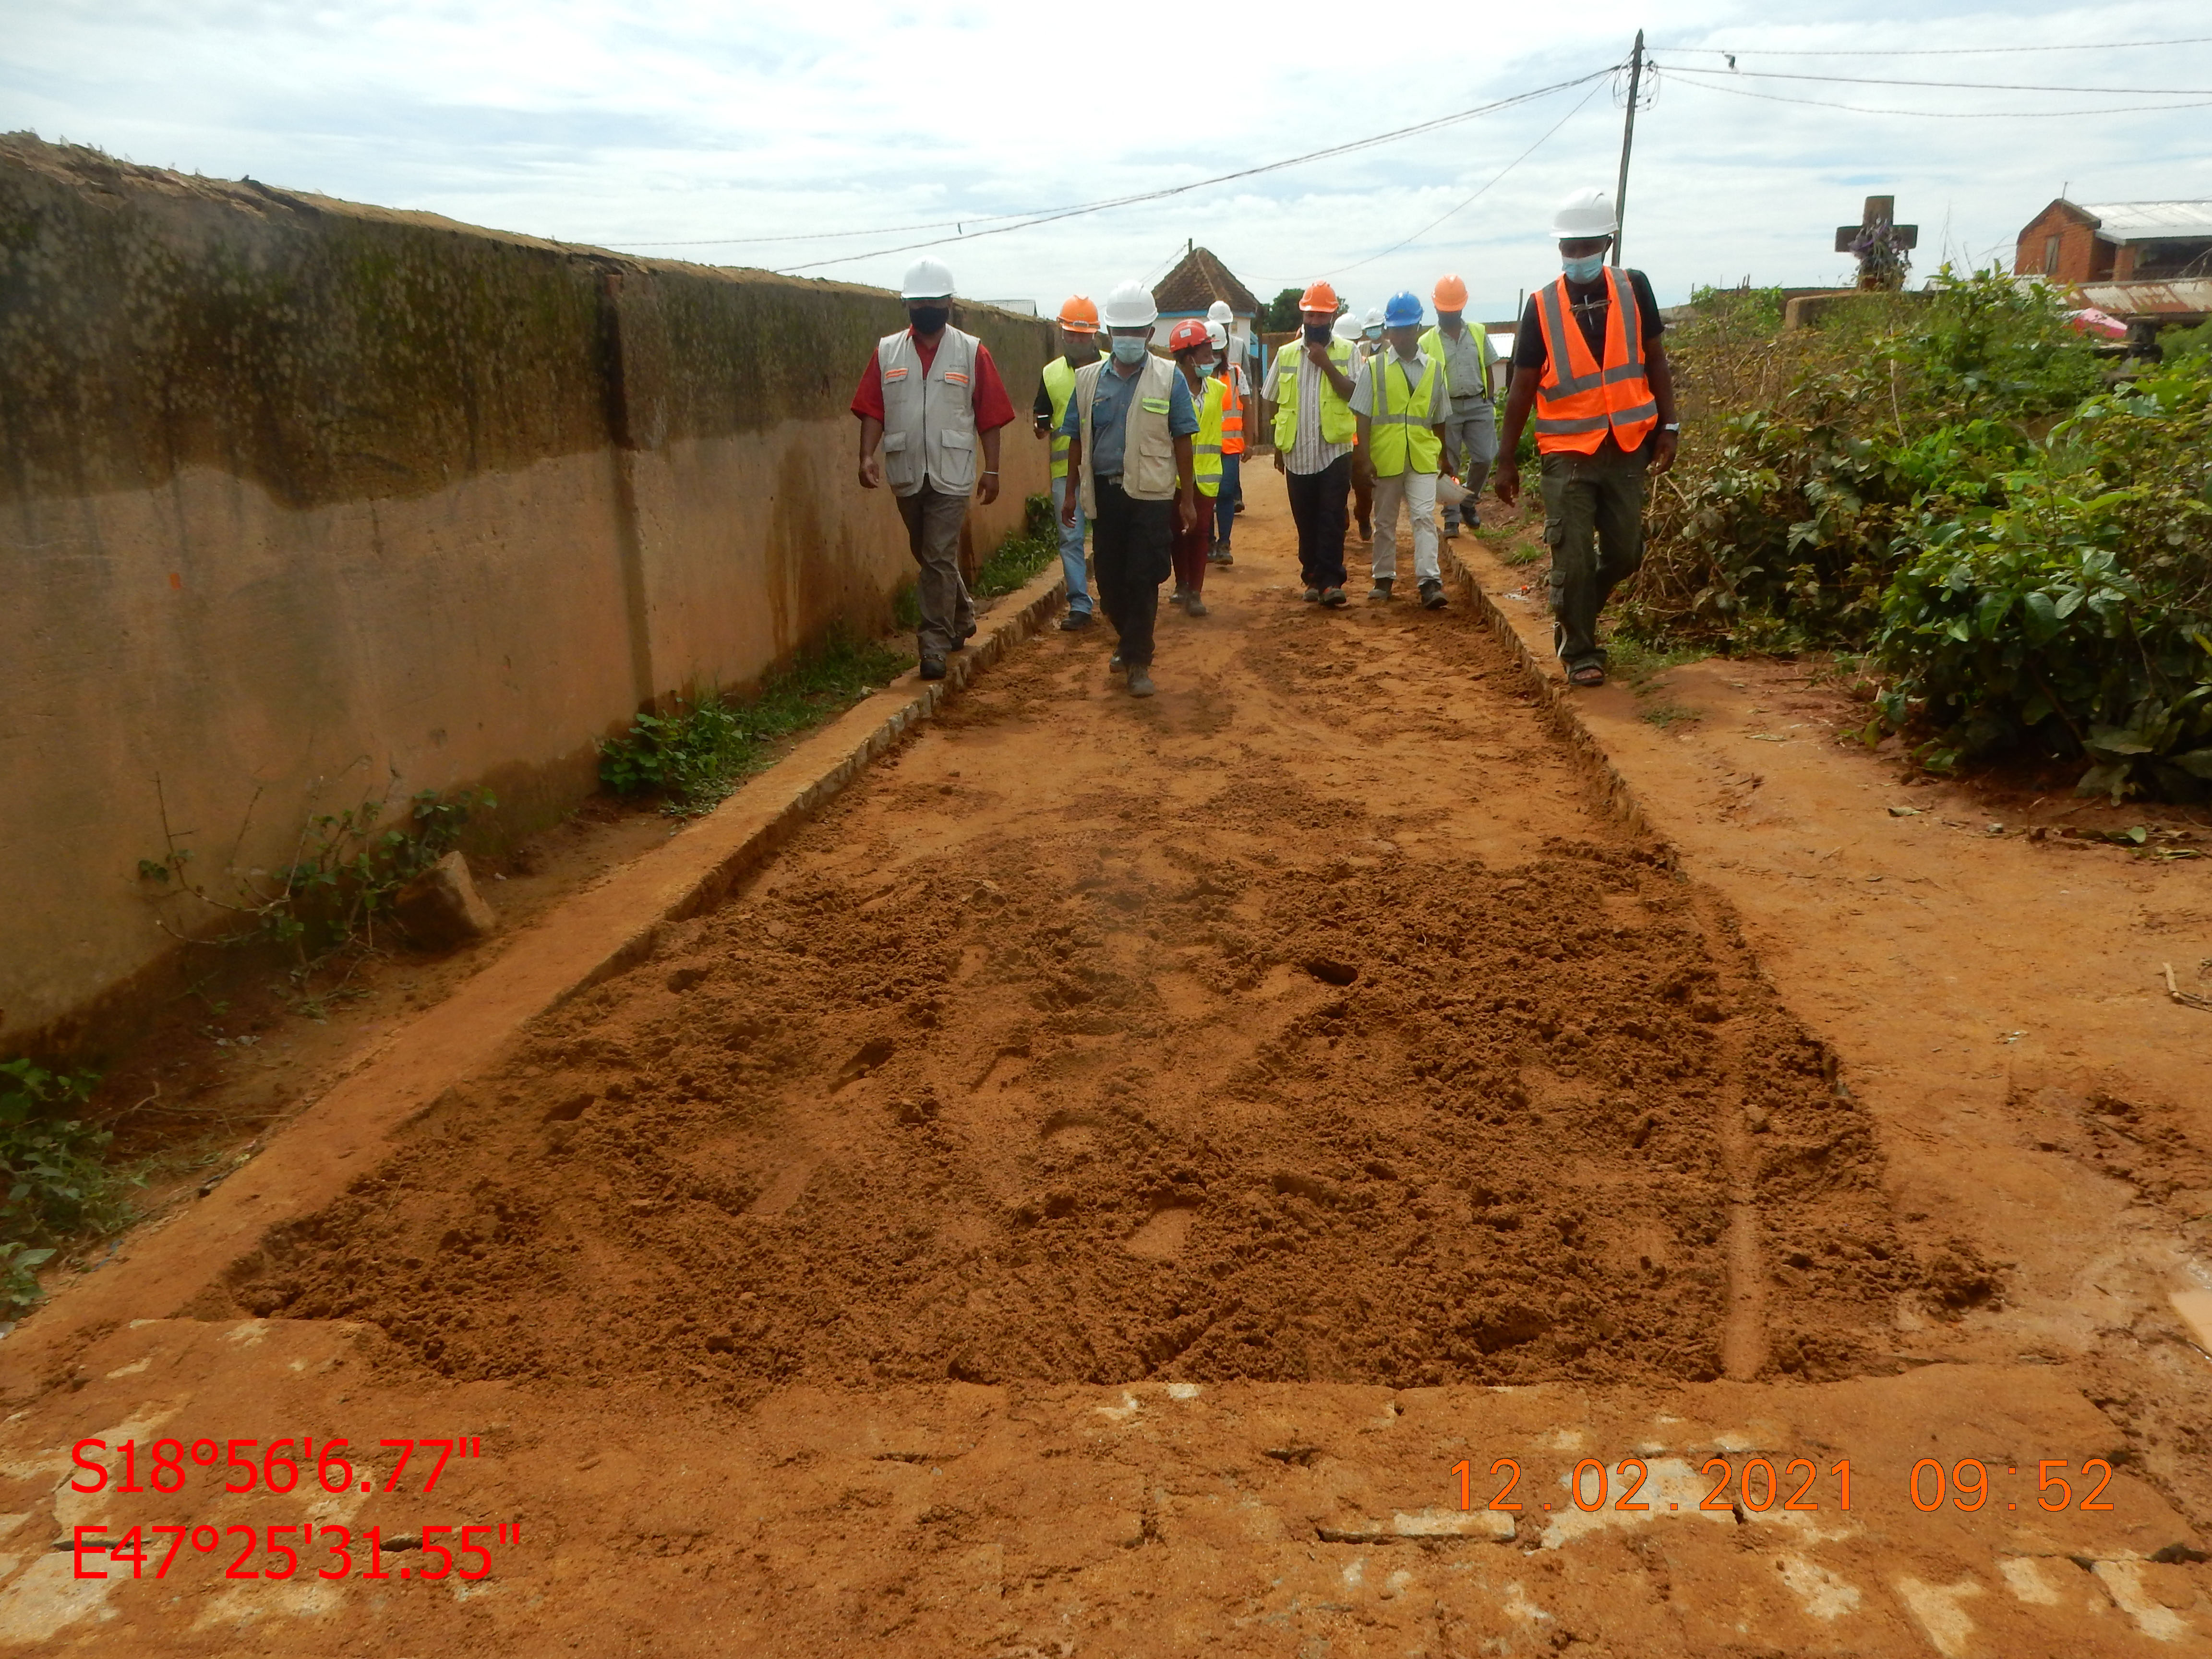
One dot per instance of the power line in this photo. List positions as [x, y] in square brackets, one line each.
[1935, 52]
[1471, 200]
[1054, 215]
[1935, 114]
[1970, 85]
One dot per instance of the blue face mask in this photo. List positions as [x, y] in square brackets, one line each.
[1587, 270]
[1206, 370]
[1129, 348]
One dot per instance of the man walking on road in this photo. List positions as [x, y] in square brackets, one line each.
[1192, 345]
[1402, 404]
[1589, 361]
[1310, 387]
[1078, 335]
[928, 395]
[1131, 424]
[1471, 434]
[1236, 390]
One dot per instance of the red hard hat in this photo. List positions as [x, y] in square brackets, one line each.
[1190, 332]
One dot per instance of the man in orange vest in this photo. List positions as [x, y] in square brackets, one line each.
[1229, 502]
[1587, 360]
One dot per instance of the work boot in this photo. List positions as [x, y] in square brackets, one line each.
[1075, 622]
[1366, 531]
[1176, 598]
[1433, 595]
[961, 644]
[1450, 532]
[1192, 606]
[932, 668]
[1220, 554]
[1140, 681]
[1113, 664]
[1332, 597]
[1380, 593]
[1313, 596]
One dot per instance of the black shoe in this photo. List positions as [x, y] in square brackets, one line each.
[1332, 596]
[1313, 596]
[961, 644]
[1221, 554]
[1113, 664]
[932, 668]
[1433, 595]
[1240, 507]
[1075, 622]
[1140, 681]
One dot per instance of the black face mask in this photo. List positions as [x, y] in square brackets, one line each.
[928, 320]
[1318, 333]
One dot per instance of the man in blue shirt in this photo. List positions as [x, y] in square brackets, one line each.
[1130, 423]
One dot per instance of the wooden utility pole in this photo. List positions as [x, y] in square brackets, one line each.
[1627, 143]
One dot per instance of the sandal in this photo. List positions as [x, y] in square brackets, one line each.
[1588, 675]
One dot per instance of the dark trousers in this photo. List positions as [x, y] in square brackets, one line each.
[1317, 504]
[932, 532]
[1224, 504]
[1593, 520]
[1190, 547]
[1131, 552]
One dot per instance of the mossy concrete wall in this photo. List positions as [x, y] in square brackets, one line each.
[302, 500]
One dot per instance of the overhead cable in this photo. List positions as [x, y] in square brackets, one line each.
[1937, 114]
[1954, 86]
[1053, 215]
[1929, 51]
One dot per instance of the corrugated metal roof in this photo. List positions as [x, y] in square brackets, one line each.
[2137, 222]
[2188, 297]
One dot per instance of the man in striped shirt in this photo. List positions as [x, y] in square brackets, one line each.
[1310, 391]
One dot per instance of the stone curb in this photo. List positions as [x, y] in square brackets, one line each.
[590, 937]
[1528, 639]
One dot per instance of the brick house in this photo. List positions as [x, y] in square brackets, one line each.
[2072, 243]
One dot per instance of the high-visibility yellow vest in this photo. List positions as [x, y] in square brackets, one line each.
[1432, 342]
[1059, 383]
[1338, 424]
[1400, 423]
[1206, 449]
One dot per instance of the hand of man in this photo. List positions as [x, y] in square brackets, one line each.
[1186, 510]
[1068, 502]
[1317, 354]
[1508, 478]
[1663, 452]
[872, 472]
[987, 488]
[1278, 460]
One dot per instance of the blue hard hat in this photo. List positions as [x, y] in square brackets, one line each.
[1404, 311]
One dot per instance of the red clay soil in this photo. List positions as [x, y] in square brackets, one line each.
[1101, 1042]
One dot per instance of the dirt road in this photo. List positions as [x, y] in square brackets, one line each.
[1090, 1192]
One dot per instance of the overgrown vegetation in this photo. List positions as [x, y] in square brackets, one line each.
[345, 872]
[2018, 535]
[1022, 555]
[699, 750]
[57, 1185]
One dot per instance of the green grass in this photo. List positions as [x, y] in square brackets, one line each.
[1666, 715]
[56, 1184]
[1639, 664]
[1020, 556]
[695, 754]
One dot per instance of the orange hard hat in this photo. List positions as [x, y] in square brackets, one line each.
[1078, 315]
[1451, 293]
[1190, 332]
[1318, 296]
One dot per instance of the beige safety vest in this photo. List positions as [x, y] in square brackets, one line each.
[1148, 460]
[929, 420]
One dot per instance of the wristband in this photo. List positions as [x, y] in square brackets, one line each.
[1672, 426]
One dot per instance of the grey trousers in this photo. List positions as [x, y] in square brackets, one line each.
[1593, 520]
[932, 535]
[1470, 447]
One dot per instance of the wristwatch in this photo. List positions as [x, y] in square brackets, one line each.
[1672, 426]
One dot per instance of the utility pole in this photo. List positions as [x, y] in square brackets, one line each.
[1627, 141]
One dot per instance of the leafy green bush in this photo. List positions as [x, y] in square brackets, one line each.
[2075, 613]
[698, 751]
[57, 1185]
[1021, 556]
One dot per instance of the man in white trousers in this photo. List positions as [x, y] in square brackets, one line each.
[1402, 403]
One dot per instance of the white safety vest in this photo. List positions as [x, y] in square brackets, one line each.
[1148, 460]
[929, 420]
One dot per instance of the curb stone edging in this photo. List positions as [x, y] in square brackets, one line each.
[592, 936]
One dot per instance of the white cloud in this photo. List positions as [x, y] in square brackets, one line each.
[631, 124]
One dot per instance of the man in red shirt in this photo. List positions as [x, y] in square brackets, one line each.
[929, 396]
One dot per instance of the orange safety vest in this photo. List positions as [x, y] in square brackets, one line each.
[1232, 415]
[1578, 401]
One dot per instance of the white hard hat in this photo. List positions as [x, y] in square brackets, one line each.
[1347, 326]
[928, 279]
[1218, 311]
[1217, 335]
[1130, 306]
[1586, 213]
[1374, 316]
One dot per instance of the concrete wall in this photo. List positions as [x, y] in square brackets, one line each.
[298, 495]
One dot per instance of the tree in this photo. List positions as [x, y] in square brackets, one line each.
[1280, 314]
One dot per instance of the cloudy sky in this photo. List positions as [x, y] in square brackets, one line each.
[666, 129]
